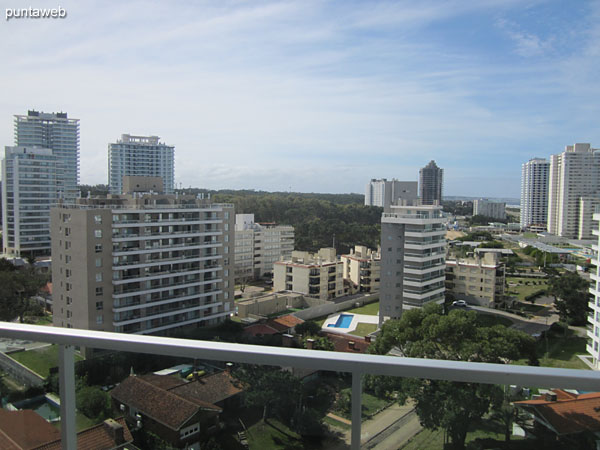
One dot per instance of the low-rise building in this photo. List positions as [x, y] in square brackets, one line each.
[483, 207]
[259, 245]
[478, 280]
[317, 275]
[362, 267]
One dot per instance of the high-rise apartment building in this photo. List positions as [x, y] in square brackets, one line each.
[29, 189]
[495, 210]
[144, 263]
[431, 179]
[318, 275]
[59, 133]
[593, 332]
[258, 246]
[534, 193]
[384, 193]
[413, 254]
[573, 191]
[141, 156]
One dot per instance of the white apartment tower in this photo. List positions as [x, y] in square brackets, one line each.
[259, 245]
[59, 133]
[573, 191]
[142, 263]
[140, 156]
[413, 254]
[593, 332]
[534, 192]
[384, 193]
[29, 189]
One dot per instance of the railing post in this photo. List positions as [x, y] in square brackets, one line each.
[66, 366]
[356, 409]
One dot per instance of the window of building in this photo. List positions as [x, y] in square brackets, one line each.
[69, 314]
[67, 231]
[99, 290]
[67, 245]
[68, 287]
[99, 277]
[67, 259]
[67, 272]
[99, 320]
[98, 262]
[98, 219]
[226, 214]
[98, 233]
[226, 227]
[98, 248]
[226, 295]
[69, 300]
[99, 306]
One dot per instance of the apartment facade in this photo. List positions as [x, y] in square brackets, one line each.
[573, 187]
[478, 281]
[258, 246]
[318, 275]
[534, 193]
[593, 331]
[385, 192]
[413, 255]
[496, 210]
[431, 180]
[362, 267]
[142, 156]
[29, 189]
[142, 263]
[59, 133]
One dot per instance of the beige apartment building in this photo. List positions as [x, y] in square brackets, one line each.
[143, 263]
[318, 275]
[478, 281]
[362, 267]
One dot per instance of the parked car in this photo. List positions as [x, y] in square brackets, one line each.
[460, 303]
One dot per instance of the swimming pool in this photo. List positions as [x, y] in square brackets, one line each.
[343, 321]
[41, 405]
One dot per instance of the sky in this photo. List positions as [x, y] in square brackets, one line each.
[310, 95]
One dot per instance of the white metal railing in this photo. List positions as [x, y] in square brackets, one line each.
[357, 364]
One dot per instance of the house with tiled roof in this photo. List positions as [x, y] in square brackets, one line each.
[564, 413]
[348, 343]
[180, 412]
[27, 430]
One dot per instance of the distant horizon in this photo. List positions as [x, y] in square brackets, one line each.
[316, 96]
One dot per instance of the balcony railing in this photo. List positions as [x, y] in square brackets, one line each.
[356, 364]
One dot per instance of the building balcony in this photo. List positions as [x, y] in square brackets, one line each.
[355, 364]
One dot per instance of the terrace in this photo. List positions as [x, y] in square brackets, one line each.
[356, 364]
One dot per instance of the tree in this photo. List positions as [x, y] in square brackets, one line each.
[93, 402]
[319, 343]
[308, 328]
[571, 295]
[16, 289]
[426, 333]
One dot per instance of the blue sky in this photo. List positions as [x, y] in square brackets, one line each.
[315, 96]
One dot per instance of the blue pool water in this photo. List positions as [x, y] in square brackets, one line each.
[343, 321]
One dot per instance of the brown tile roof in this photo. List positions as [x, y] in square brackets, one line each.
[97, 437]
[165, 382]
[570, 413]
[210, 389]
[260, 328]
[24, 429]
[341, 343]
[159, 404]
[288, 321]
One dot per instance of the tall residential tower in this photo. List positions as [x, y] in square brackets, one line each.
[430, 184]
[141, 156]
[534, 193]
[573, 191]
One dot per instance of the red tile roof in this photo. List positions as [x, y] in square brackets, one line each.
[210, 389]
[570, 413]
[341, 343]
[97, 437]
[24, 429]
[285, 322]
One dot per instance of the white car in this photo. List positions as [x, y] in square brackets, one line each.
[461, 303]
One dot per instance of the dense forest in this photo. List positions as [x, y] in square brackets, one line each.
[316, 218]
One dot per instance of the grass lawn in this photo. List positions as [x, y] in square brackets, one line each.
[46, 319]
[273, 435]
[521, 290]
[372, 309]
[81, 422]
[562, 353]
[489, 320]
[528, 307]
[335, 423]
[362, 329]
[370, 404]
[40, 360]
